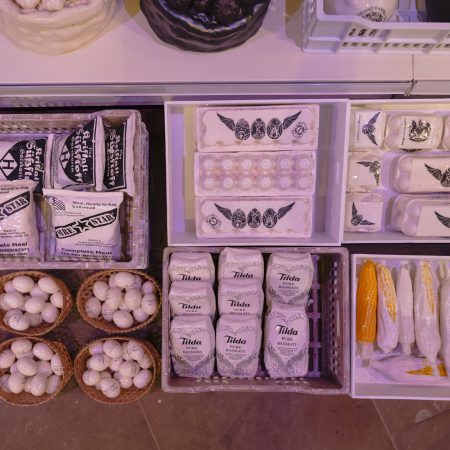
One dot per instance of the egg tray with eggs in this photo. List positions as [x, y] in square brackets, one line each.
[328, 313]
[380, 178]
[33, 370]
[117, 370]
[133, 213]
[54, 26]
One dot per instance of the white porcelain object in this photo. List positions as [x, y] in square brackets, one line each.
[375, 10]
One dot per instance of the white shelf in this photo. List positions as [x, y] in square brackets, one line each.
[431, 75]
[128, 62]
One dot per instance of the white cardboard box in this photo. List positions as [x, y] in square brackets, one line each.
[363, 384]
[330, 179]
[388, 235]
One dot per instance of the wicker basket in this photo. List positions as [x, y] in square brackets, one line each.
[26, 398]
[85, 292]
[127, 395]
[44, 327]
[54, 32]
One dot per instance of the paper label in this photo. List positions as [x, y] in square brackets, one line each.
[115, 158]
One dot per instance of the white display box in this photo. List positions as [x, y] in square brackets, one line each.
[330, 179]
[387, 234]
[365, 385]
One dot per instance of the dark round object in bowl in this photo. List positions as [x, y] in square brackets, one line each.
[226, 11]
[179, 4]
[198, 29]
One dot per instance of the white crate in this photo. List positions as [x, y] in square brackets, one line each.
[330, 182]
[387, 235]
[323, 32]
[363, 385]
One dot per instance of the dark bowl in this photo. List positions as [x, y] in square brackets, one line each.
[200, 34]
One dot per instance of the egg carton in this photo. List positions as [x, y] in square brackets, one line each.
[133, 211]
[328, 314]
[265, 173]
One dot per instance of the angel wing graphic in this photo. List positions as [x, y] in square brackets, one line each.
[443, 177]
[444, 220]
[369, 128]
[358, 219]
[227, 121]
[225, 211]
[284, 210]
[374, 168]
[288, 121]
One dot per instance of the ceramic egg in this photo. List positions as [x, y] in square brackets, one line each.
[96, 347]
[100, 290]
[107, 312]
[145, 362]
[124, 279]
[14, 299]
[122, 319]
[23, 283]
[38, 292]
[140, 315]
[7, 358]
[115, 364]
[42, 351]
[34, 319]
[21, 347]
[50, 313]
[149, 304]
[133, 298]
[125, 383]
[4, 383]
[8, 287]
[91, 377]
[38, 384]
[110, 387]
[93, 307]
[112, 281]
[48, 285]
[57, 365]
[57, 300]
[35, 305]
[99, 362]
[142, 379]
[113, 299]
[112, 348]
[19, 322]
[53, 383]
[27, 366]
[148, 288]
[129, 369]
[16, 382]
[135, 350]
[44, 367]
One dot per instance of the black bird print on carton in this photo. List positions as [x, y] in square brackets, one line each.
[369, 128]
[444, 220]
[358, 219]
[374, 168]
[443, 177]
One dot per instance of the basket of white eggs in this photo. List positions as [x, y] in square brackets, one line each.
[119, 301]
[33, 303]
[33, 370]
[117, 370]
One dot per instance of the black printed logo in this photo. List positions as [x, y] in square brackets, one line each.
[443, 177]
[86, 224]
[374, 168]
[358, 219]
[115, 158]
[14, 205]
[443, 219]
[369, 128]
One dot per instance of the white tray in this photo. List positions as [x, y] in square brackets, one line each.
[330, 180]
[404, 33]
[388, 235]
[363, 385]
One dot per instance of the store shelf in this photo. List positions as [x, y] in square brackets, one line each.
[431, 75]
[128, 64]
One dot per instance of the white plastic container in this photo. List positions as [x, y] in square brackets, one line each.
[330, 177]
[404, 33]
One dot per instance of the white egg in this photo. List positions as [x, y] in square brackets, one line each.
[45, 368]
[53, 384]
[140, 315]
[27, 385]
[23, 284]
[142, 379]
[19, 322]
[125, 383]
[133, 298]
[102, 375]
[57, 300]
[100, 289]
[38, 292]
[111, 281]
[34, 305]
[10, 313]
[27, 366]
[57, 365]
[48, 285]
[3, 305]
[110, 387]
[93, 307]
[114, 297]
[26, 355]
[124, 307]
[96, 347]
[7, 358]
[13, 368]
[124, 279]
[129, 369]
[8, 287]
[4, 383]
[50, 313]
[42, 351]
[146, 362]
[14, 299]
[16, 382]
[148, 288]
[99, 362]
[149, 304]
[34, 319]
[115, 364]
[38, 384]
[125, 355]
[135, 350]
[107, 312]
[112, 348]
[91, 377]
[123, 319]
[21, 346]
[137, 283]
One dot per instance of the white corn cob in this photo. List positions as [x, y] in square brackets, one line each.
[405, 308]
[387, 311]
[426, 314]
[445, 315]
